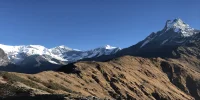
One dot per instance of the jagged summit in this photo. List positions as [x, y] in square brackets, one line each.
[177, 25]
[175, 32]
[109, 47]
[163, 43]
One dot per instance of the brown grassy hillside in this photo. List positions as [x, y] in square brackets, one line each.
[121, 78]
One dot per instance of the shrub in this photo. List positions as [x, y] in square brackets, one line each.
[67, 80]
[56, 75]
[122, 76]
[56, 86]
[34, 79]
[11, 78]
[9, 90]
[50, 81]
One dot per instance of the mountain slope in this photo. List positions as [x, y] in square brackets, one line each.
[162, 43]
[121, 78]
[179, 62]
[181, 73]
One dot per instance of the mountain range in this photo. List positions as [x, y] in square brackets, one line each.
[37, 58]
[28, 57]
[163, 66]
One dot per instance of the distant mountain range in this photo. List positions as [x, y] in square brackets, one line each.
[37, 56]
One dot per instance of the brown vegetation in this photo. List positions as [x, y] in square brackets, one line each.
[121, 78]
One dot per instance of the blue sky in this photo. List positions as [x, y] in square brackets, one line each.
[86, 24]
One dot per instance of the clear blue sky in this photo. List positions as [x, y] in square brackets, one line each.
[86, 24]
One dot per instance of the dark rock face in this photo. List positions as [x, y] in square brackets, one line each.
[5, 64]
[36, 64]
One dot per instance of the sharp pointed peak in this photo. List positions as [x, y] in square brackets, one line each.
[62, 46]
[109, 47]
[176, 23]
[179, 26]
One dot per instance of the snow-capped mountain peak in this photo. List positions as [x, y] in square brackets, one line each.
[177, 23]
[109, 47]
[175, 32]
[64, 47]
[180, 27]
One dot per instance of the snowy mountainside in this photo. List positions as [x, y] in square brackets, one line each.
[74, 55]
[16, 54]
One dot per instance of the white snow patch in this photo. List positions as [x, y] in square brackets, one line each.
[109, 47]
[164, 41]
[147, 41]
[53, 62]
